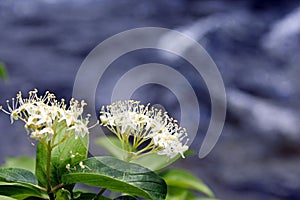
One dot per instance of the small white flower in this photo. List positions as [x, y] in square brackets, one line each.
[44, 133]
[36, 134]
[14, 115]
[80, 128]
[82, 166]
[129, 118]
[43, 114]
[70, 119]
[47, 130]
[68, 167]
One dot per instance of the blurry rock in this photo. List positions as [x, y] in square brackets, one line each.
[267, 82]
[228, 22]
[264, 116]
[283, 40]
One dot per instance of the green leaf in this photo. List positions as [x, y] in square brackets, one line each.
[40, 168]
[22, 162]
[17, 175]
[126, 197]
[118, 176]
[63, 194]
[21, 190]
[88, 196]
[35, 198]
[183, 179]
[112, 145]
[19, 183]
[178, 194]
[6, 198]
[156, 162]
[71, 151]
[3, 72]
[175, 193]
[153, 162]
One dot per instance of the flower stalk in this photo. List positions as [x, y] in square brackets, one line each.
[48, 170]
[99, 194]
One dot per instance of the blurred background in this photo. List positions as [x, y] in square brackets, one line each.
[255, 44]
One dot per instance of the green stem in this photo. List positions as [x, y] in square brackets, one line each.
[141, 141]
[144, 154]
[57, 187]
[129, 149]
[48, 171]
[129, 157]
[99, 194]
[61, 141]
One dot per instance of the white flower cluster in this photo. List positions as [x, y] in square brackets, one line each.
[131, 118]
[44, 114]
